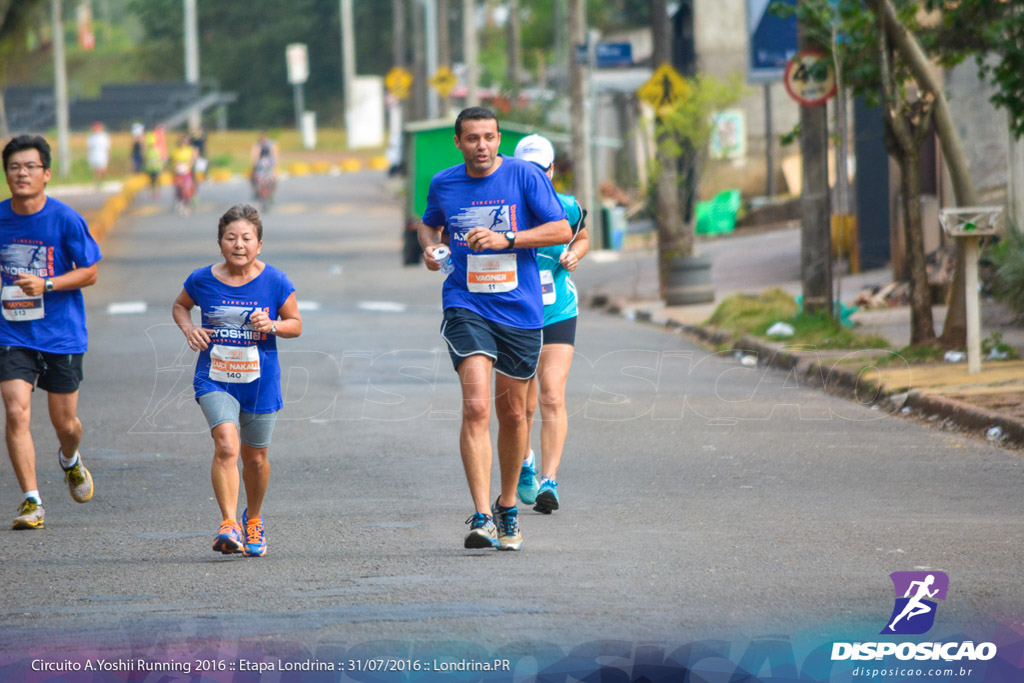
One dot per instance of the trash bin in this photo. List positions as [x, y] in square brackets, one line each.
[718, 215]
[614, 226]
[429, 149]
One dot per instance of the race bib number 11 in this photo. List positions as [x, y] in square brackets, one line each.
[491, 273]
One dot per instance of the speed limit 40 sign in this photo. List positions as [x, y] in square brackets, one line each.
[810, 78]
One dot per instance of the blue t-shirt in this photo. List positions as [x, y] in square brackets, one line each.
[566, 301]
[226, 311]
[517, 196]
[48, 243]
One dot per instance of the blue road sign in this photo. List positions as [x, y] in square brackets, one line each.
[772, 41]
[607, 55]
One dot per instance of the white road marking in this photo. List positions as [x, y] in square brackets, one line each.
[126, 307]
[382, 306]
[309, 305]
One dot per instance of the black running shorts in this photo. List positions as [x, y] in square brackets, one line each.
[57, 373]
[562, 332]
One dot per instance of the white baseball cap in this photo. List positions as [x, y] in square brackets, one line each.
[536, 148]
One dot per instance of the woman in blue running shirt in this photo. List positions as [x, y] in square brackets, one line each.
[245, 305]
[559, 338]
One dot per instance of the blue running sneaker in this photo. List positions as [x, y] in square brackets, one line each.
[482, 532]
[255, 539]
[547, 497]
[509, 535]
[528, 486]
[229, 538]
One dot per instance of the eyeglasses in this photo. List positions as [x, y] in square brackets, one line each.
[31, 167]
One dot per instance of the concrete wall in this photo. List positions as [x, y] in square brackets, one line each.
[722, 48]
[984, 131]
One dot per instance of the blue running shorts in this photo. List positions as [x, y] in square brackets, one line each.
[514, 350]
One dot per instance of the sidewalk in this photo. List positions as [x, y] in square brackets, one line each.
[937, 392]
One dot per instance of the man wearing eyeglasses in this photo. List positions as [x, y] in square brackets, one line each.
[46, 257]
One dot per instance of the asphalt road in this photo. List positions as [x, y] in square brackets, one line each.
[700, 499]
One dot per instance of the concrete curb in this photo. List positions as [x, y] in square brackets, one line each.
[833, 378]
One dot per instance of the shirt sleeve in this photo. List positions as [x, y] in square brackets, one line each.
[284, 289]
[190, 287]
[79, 242]
[540, 196]
[434, 214]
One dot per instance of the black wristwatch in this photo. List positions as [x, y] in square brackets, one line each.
[511, 237]
[48, 285]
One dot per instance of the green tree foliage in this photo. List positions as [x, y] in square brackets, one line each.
[242, 47]
[993, 33]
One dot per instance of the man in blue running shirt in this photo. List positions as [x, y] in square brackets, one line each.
[493, 312]
[46, 257]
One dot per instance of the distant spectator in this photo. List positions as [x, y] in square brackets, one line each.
[154, 163]
[198, 140]
[138, 148]
[98, 144]
[161, 142]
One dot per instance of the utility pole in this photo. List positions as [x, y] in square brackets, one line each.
[667, 218]
[430, 21]
[419, 70]
[469, 52]
[195, 116]
[583, 175]
[815, 235]
[60, 89]
[515, 49]
[398, 47]
[444, 47]
[348, 65]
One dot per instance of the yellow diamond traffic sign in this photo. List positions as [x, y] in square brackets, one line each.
[398, 82]
[664, 90]
[443, 81]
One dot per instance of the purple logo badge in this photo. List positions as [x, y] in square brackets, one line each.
[916, 592]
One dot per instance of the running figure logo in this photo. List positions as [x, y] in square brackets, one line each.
[18, 259]
[232, 317]
[914, 612]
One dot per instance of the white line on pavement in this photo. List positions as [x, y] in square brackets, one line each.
[382, 306]
[126, 307]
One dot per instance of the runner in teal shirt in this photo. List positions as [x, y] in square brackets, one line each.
[561, 308]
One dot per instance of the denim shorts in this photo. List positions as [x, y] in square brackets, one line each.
[254, 429]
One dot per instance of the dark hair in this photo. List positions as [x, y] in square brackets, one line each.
[23, 142]
[240, 212]
[473, 114]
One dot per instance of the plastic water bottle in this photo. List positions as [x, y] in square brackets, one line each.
[443, 255]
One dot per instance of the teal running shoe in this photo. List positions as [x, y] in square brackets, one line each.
[482, 532]
[509, 535]
[528, 486]
[547, 496]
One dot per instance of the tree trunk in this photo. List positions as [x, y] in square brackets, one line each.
[515, 51]
[673, 239]
[922, 327]
[954, 333]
